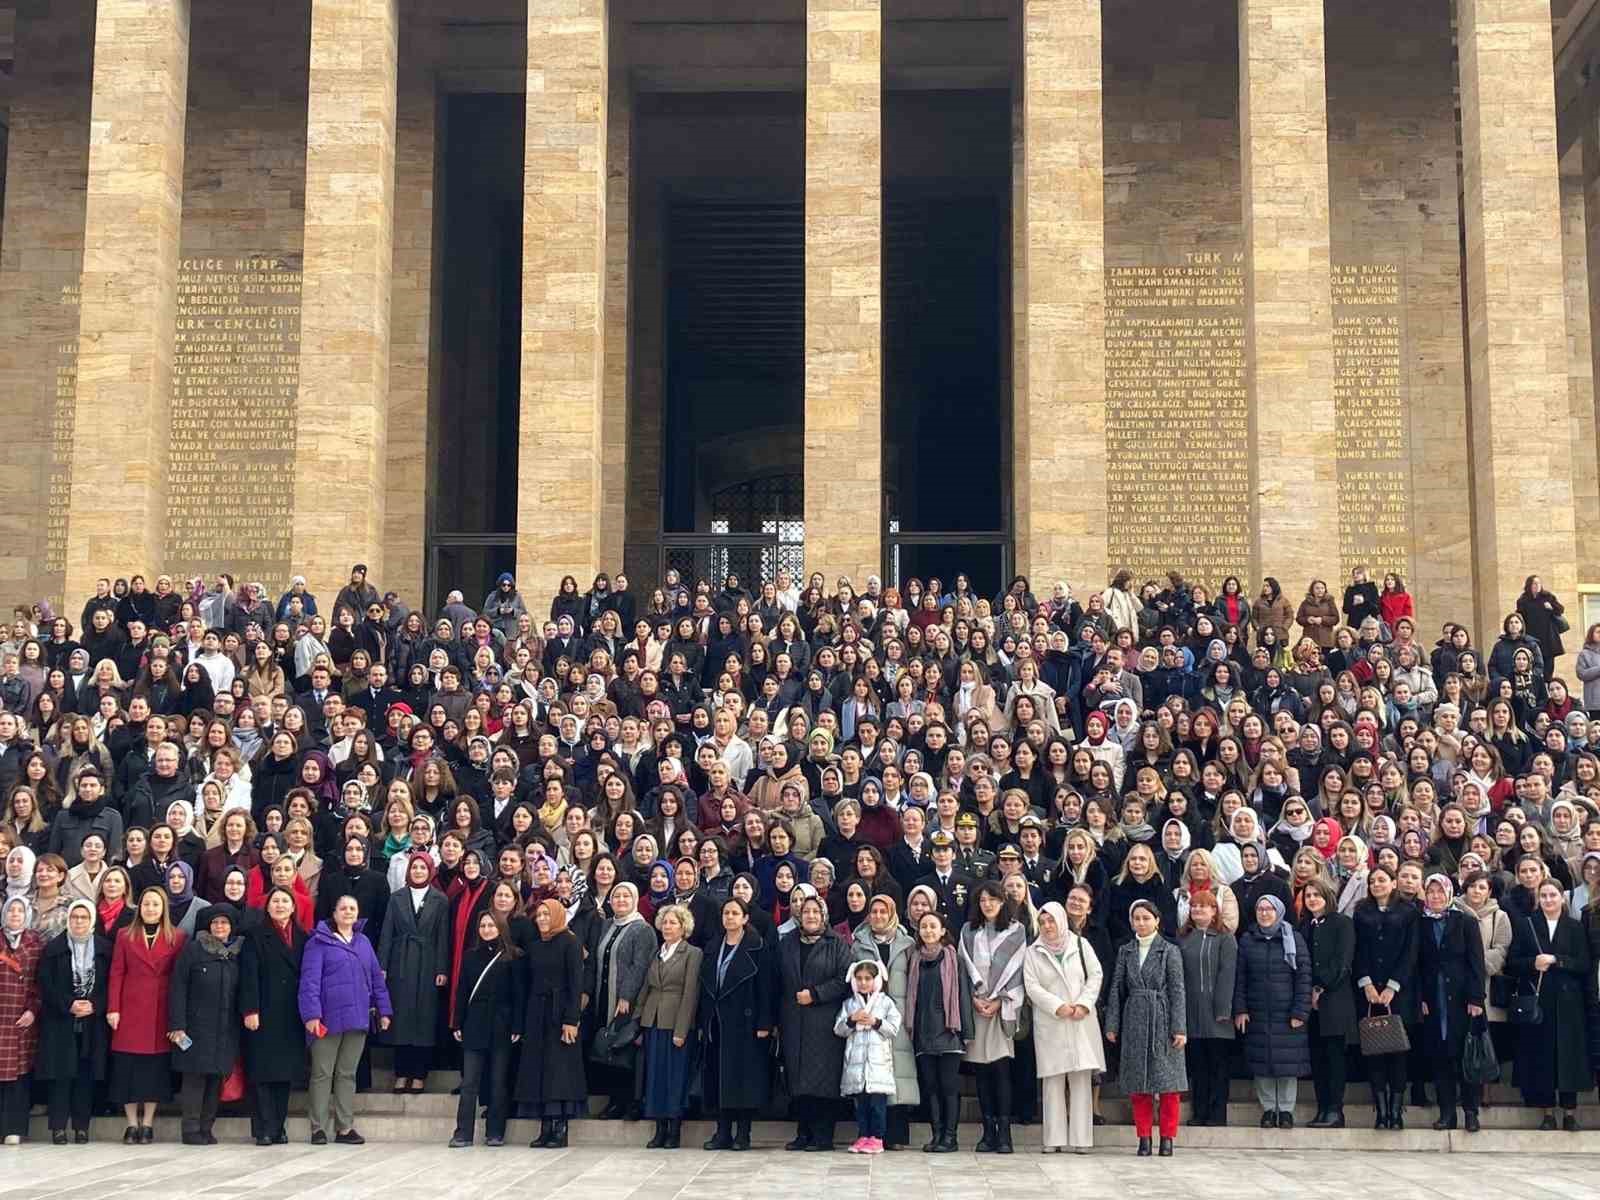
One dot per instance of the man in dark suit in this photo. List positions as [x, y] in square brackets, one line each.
[376, 697]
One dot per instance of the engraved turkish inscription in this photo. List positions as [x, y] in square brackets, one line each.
[235, 376]
[1177, 417]
[1369, 395]
[64, 414]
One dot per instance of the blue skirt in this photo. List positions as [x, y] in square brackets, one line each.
[666, 1076]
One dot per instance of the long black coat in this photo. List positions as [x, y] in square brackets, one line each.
[1272, 993]
[269, 983]
[731, 1013]
[1332, 942]
[551, 1070]
[1450, 976]
[1552, 1056]
[64, 1040]
[490, 1001]
[414, 950]
[1386, 948]
[813, 1055]
[204, 1003]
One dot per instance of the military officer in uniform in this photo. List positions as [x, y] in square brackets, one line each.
[1041, 872]
[952, 885]
[971, 858]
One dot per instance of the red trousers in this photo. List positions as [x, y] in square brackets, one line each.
[1143, 1113]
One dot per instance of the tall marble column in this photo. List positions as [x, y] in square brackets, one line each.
[563, 294]
[1283, 114]
[1521, 424]
[1059, 459]
[117, 514]
[342, 418]
[844, 289]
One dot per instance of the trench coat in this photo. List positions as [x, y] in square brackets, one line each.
[813, 1056]
[898, 960]
[732, 1013]
[1272, 993]
[413, 950]
[1147, 1009]
[1062, 1045]
[269, 986]
[64, 1042]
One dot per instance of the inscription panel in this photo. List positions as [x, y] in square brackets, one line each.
[236, 370]
[62, 419]
[1370, 416]
[1177, 417]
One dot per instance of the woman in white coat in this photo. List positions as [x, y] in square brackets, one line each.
[1062, 976]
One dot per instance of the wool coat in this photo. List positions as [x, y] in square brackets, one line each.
[1060, 1044]
[732, 1013]
[1147, 1008]
[65, 1040]
[1210, 960]
[1553, 1055]
[141, 978]
[896, 955]
[414, 950]
[1272, 994]
[19, 993]
[812, 1055]
[1332, 942]
[204, 1003]
[1450, 976]
[549, 1069]
[269, 983]
[1386, 952]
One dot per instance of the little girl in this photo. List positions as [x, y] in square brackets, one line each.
[868, 1021]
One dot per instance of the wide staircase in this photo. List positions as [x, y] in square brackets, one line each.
[429, 1117]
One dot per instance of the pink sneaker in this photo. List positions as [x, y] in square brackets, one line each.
[859, 1146]
[874, 1146]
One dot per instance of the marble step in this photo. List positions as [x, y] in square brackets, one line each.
[768, 1135]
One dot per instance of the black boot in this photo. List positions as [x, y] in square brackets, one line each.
[1336, 1119]
[947, 1142]
[542, 1142]
[1380, 1106]
[674, 1134]
[741, 1138]
[802, 1137]
[1447, 1120]
[558, 1136]
[1321, 1120]
[1144, 1147]
[821, 1137]
[1165, 1150]
[659, 1141]
[935, 1135]
[722, 1139]
[1002, 1127]
[986, 1142]
[1397, 1109]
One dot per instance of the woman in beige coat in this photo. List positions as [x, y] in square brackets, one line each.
[1062, 977]
[666, 1023]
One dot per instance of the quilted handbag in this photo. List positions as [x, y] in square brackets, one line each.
[1383, 1033]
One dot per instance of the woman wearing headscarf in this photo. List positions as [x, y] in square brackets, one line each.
[74, 973]
[1550, 958]
[1210, 960]
[1062, 977]
[1147, 1017]
[813, 966]
[991, 949]
[274, 1040]
[490, 1008]
[550, 1076]
[19, 872]
[1453, 985]
[414, 952]
[1271, 1005]
[20, 951]
[738, 1010]
[667, 1021]
[881, 936]
[203, 1020]
[355, 877]
[136, 1009]
[1349, 870]
[1386, 972]
[183, 906]
[617, 968]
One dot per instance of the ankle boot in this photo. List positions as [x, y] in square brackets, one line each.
[947, 1142]
[1144, 1147]
[1380, 1106]
[722, 1139]
[542, 1142]
[741, 1139]
[935, 1135]
[674, 1134]
[1002, 1127]
[986, 1142]
[558, 1140]
[1397, 1109]
[1320, 1121]
[659, 1141]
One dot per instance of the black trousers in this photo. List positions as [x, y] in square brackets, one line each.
[412, 1062]
[1387, 1071]
[272, 1110]
[939, 1081]
[1209, 1075]
[199, 1096]
[16, 1097]
[816, 1116]
[477, 1066]
[1328, 1071]
[73, 1097]
[994, 1089]
[1024, 1081]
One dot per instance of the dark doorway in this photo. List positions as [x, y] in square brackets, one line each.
[473, 496]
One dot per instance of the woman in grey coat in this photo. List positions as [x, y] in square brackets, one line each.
[881, 936]
[1147, 1015]
[1210, 957]
[414, 952]
[619, 967]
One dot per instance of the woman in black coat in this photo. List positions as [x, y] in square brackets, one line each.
[550, 1076]
[203, 1014]
[1139, 879]
[489, 1009]
[812, 964]
[414, 951]
[1454, 986]
[355, 877]
[1271, 1005]
[1386, 971]
[1550, 955]
[1540, 610]
[738, 987]
[274, 1040]
[73, 1036]
[1331, 939]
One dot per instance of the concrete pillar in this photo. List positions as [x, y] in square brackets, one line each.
[1583, 292]
[618, 381]
[844, 289]
[1283, 112]
[1519, 412]
[117, 514]
[563, 294]
[1059, 416]
[342, 419]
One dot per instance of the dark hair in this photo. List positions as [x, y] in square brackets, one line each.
[975, 917]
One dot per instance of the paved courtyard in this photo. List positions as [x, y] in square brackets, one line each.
[406, 1171]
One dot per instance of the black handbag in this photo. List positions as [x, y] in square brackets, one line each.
[1479, 1064]
[1382, 1034]
[1525, 1008]
[1501, 989]
[613, 1043]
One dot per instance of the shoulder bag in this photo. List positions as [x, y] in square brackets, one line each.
[1382, 1033]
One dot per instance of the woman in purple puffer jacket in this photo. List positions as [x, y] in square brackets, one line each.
[341, 985]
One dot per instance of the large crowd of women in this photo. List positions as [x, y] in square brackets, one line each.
[732, 852]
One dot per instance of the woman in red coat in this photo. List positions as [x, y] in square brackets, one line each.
[136, 1010]
[20, 948]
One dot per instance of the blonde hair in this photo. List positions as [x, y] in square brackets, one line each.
[681, 911]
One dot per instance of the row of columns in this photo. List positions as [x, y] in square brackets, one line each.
[575, 368]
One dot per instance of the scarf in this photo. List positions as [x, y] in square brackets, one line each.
[393, 846]
[24, 884]
[14, 937]
[1057, 945]
[82, 951]
[558, 918]
[1141, 832]
[1280, 930]
[993, 959]
[1448, 887]
[109, 912]
[923, 960]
